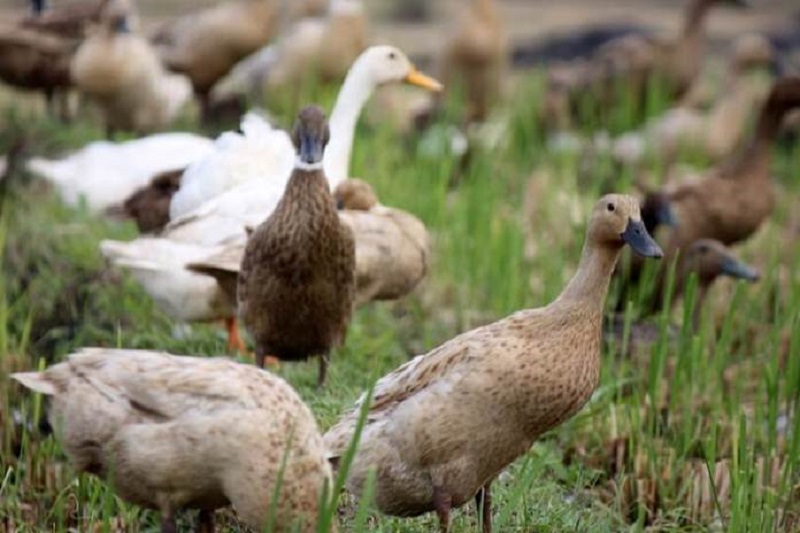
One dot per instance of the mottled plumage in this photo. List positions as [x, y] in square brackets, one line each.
[444, 425]
[297, 279]
[171, 432]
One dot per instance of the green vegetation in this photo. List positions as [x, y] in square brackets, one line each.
[720, 401]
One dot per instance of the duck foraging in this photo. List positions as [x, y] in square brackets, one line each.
[441, 427]
[297, 281]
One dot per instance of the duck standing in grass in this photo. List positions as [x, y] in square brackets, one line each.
[172, 432]
[441, 427]
[297, 281]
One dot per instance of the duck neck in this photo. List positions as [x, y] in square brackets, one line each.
[755, 159]
[353, 95]
[695, 22]
[589, 285]
[306, 192]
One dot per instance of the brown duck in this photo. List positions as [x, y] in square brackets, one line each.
[708, 260]
[149, 205]
[441, 427]
[733, 199]
[297, 281]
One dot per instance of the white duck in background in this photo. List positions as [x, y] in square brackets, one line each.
[161, 262]
[105, 173]
[234, 164]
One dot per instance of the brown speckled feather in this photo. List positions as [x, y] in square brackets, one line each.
[297, 281]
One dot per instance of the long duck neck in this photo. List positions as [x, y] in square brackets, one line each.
[307, 196]
[589, 285]
[695, 23]
[355, 92]
[755, 159]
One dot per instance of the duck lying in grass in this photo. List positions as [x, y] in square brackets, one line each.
[442, 427]
[297, 282]
[171, 432]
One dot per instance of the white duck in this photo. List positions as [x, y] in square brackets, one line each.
[105, 173]
[253, 156]
[172, 432]
[160, 265]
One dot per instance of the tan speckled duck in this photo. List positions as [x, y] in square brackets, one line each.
[297, 280]
[171, 432]
[441, 427]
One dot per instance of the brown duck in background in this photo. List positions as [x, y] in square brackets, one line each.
[297, 279]
[475, 57]
[734, 198]
[205, 45]
[35, 52]
[632, 62]
[149, 206]
[392, 249]
[441, 427]
[69, 21]
[708, 260]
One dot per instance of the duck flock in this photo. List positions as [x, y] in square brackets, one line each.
[266, 230]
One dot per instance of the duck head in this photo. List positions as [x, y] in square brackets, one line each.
[710, 259]
[617, 221]
[753, 51]
[355, 194]
[310, 135]
[657, 211]
[116, 15]
[387, 64]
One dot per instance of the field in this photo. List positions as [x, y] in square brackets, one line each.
[694, 433]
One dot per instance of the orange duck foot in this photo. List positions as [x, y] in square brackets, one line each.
[235, 341]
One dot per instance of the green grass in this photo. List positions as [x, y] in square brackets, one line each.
[675, 414]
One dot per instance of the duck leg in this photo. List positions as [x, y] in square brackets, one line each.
[263, 360]
[168, 524]
[483, 506]
[235, 342]
[442, 502]
[205, 521]
[323, 369]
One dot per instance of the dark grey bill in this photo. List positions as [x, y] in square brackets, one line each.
[736, 269]
[311, 148]
[640, 241]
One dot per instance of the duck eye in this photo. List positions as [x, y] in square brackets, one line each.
[392, 55]
[610, 206]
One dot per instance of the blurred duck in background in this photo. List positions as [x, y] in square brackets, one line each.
[207, 44]
[119, 70]
[35, 52]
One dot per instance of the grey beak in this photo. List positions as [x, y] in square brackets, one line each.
[640, 241]
[736, 269]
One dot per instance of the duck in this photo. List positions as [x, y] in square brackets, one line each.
[392, 248]
[442, 426]
[148, 206]
[103, 174]
[34, 56]
[301, 258]
[257, 163]
[119, 70]
[223, 220]
[707, 260]
[721, 129]
[323, 47]
[205, 45]
[70, 21]
[475, 57]
[172, 432]
[732, 199]
[632, 61]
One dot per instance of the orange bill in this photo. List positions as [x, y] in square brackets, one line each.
[415, 77]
